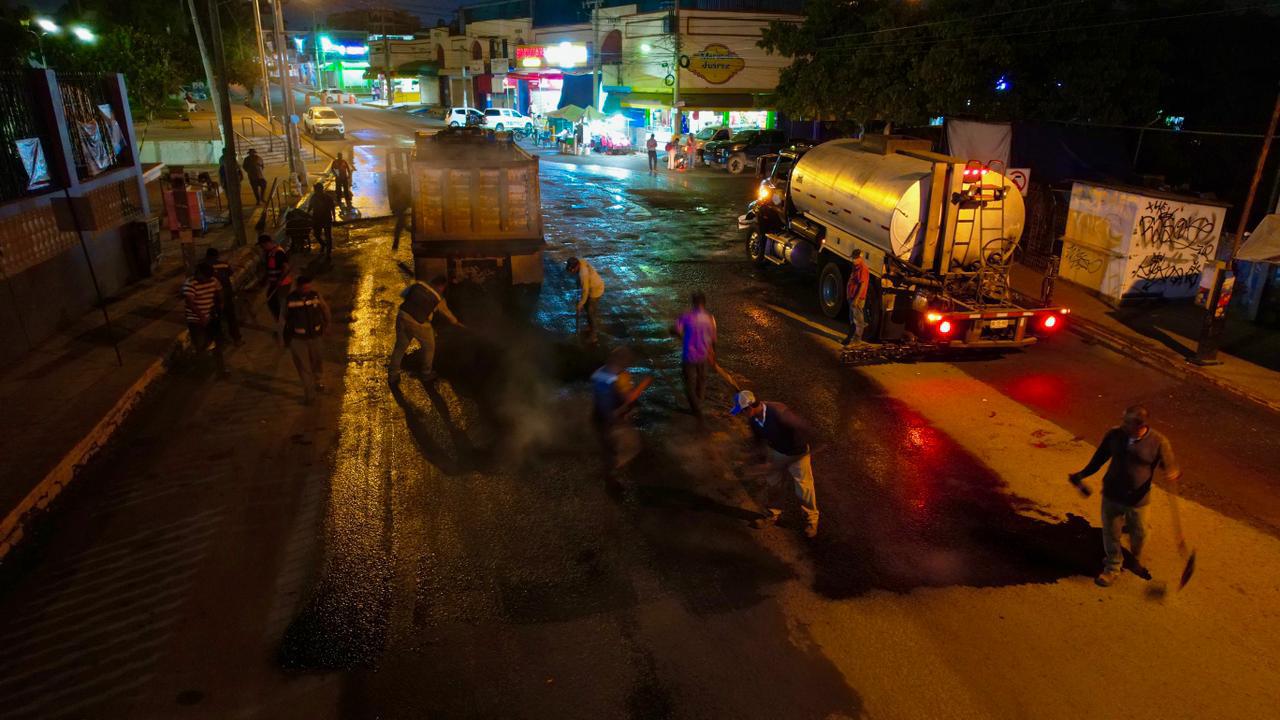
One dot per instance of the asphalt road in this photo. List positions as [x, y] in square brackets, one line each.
[448, 551]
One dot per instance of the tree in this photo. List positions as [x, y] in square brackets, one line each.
[864, 61]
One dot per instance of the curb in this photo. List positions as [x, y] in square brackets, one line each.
[13, 525]
[1166, 362]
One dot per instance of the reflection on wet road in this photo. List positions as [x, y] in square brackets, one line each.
[447, 549]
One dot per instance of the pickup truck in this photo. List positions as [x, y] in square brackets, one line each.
[740, 151]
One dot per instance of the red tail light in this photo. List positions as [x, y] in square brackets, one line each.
[944, 327]
[1050, 322]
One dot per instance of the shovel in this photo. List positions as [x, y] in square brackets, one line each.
[1188, 557]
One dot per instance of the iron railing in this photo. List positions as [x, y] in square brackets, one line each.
[96, 134]
[18, 123]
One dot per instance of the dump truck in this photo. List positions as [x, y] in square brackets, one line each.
[477, 209]
[938, 235]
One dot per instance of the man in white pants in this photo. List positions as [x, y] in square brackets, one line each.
[422, 301]
[786, 437]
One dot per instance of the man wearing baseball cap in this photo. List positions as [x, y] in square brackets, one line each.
[785, 435]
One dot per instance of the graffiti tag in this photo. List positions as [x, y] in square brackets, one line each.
[1174, 271]
[1164, 227]
[1078, 258]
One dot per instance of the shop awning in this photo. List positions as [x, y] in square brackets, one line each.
[1263, 244]
[613, 103]
[418, 68]
[727, 101]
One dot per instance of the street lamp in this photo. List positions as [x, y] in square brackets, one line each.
[83, 34]
[48, 27]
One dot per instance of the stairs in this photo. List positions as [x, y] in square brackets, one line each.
[270, 147]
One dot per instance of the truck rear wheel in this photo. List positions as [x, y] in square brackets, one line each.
[831, 282]
[737, 163]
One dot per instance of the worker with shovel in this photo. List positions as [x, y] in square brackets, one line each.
[592, 289]
[1134, 450]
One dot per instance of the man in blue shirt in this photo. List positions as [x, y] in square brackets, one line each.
[785, 436]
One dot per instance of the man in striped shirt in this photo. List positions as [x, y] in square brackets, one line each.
[203, 298]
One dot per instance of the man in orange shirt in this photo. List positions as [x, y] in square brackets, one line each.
[856, 293]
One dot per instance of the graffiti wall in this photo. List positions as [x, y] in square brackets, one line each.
[1125, 244]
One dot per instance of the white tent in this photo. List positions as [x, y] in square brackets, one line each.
[1263, 244]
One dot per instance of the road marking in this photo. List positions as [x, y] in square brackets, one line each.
[823, 329]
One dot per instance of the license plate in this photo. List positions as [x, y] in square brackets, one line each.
[998, 324]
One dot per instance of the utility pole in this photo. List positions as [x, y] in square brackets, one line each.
[228, 159]
[315, 48]
[296, 167]
[215, 92]
[675, 95]
[262, 59]
[1211, 330]
[593, 6]
[386, 49]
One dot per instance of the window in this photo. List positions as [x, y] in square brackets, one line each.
[492, 113]
[477, 52]
[440, 55]
[611, 47]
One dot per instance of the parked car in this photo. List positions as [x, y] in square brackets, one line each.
[740, 151]
[334, 95]
[507, 119]
[709, 134]
[464, 116]
[320, 121]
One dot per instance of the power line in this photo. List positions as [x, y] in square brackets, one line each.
[970, 18]
[1043, 31]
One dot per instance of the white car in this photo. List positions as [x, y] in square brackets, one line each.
[506, 119]
[463, 116]
[319, 121]
[334, 96]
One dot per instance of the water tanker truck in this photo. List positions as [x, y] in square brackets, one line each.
[938, 235]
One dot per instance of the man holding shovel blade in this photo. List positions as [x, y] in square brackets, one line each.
[1134, 450]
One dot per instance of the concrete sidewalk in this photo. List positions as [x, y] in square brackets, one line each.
[1164, 335]
[66, 398]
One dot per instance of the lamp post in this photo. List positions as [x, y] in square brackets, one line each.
[47, 27]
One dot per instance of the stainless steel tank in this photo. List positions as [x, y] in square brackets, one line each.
[883, 199]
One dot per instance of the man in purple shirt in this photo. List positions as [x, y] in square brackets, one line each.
[697, 331]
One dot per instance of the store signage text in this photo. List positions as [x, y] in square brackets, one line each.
[563, 55]
[715, 63]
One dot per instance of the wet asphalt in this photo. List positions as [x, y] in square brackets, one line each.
[448, 549]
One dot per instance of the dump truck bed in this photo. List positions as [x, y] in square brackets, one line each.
[474, 194]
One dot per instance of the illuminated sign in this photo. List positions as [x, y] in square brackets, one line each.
[716, 64]
[562, 55]
[330, 46]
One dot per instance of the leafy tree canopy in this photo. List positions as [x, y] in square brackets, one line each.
[1096, 61]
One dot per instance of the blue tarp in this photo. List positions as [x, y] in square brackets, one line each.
[576, 91]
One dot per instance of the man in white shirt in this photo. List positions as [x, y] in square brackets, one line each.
[592, 290]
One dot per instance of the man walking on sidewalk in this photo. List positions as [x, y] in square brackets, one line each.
[785, 437]
[302, 325]
[697, 332]
[276, 274]
[255, 169]
[613, 398]
[1134, 451]
[323, 208]
[592, 287]
[222, 273]
[202, 298]
[856, 294]
[342, 179]
[421, 302]
[651, 145]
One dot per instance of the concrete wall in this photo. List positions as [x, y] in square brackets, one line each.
[181, 152]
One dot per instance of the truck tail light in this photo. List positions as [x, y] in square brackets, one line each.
[944, 327]
[1049, 322]
[932, 317]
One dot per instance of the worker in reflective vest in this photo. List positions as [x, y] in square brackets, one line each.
[304, 321]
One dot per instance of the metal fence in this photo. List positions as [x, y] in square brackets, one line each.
[18, 127]
[96, 135]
